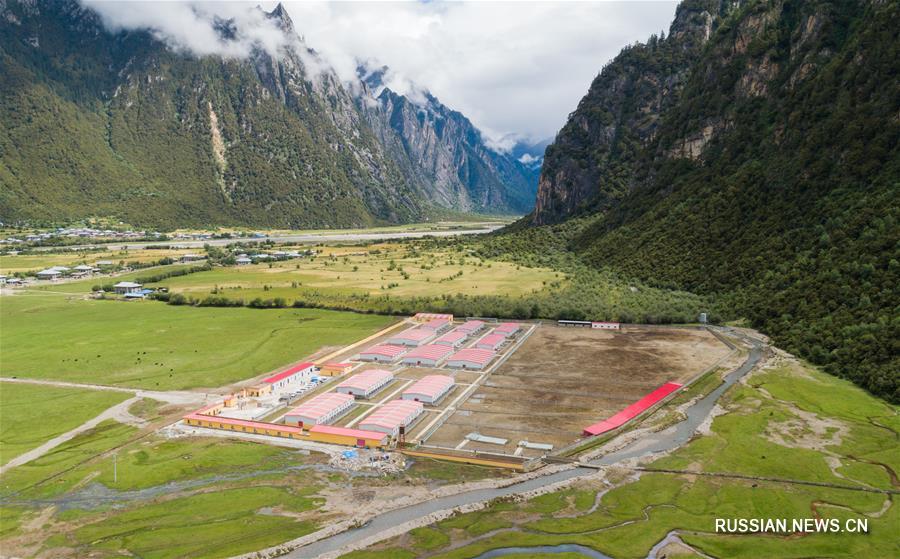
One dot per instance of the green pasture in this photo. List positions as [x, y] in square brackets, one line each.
[151, 345]
[30, 415]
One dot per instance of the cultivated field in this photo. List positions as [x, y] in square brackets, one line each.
[563, 379]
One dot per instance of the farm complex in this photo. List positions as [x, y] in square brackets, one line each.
[477, 391]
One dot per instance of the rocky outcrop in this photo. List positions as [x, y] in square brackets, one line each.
[590, 165]
[443, 153]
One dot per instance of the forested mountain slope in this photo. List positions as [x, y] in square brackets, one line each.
[752, 154]
[117, 123]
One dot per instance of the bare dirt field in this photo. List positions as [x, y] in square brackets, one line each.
[563, 379]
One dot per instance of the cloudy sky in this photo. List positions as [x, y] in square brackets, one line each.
[515, 68]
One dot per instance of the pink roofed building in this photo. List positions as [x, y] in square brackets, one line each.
[436, 325]
[428, 316]
[390, 417]
[470, 358]
[427, 355]
[412, 337]
[323, 408]
[508, 329]
[366, 383]
[491, 341]
[383, 353]
[470, 327]
[452, 339]
[429, 389]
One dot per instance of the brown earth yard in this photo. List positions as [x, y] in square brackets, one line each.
[563, 379]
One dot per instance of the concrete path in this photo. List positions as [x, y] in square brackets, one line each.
[114, 412]
[180, 397]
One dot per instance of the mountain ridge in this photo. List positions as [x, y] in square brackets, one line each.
[165, 138]
[763, 171]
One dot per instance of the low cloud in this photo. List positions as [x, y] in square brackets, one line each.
[516, 69]
[226, 29]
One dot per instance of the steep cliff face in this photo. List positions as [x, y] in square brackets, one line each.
[764, 168]
[591, 163]
[443, 153]
[118, 124]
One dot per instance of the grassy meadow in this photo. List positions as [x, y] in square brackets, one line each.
[398, 270]
[31, 415]
[788, 422]
[151, 345]
[190, 497]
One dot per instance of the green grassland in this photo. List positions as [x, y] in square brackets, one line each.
[151, 345]
[207, 497]
[30, 415]
[769, 430]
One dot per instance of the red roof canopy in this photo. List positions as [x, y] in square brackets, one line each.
[632, 411]
[291, 371]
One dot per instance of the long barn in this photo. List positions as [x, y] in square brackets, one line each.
[429, 389]
[390, 417]
[366, 383]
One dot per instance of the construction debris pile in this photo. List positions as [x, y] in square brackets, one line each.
[358, 460]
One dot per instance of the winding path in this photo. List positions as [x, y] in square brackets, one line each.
[669, 439]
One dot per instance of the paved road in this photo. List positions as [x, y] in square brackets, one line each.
[666, 440]
[293, 238]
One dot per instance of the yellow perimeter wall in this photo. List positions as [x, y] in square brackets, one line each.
[477, 460]
[289, 433]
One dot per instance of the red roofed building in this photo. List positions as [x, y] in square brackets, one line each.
[293, 374]
[412, 337]
[632, 411]
[366, 383]
[429, 389]
[427, 355]
[508, 329]
[390, 417]
[491, 341]
[383, 353]
[324, 408]
[470, 358]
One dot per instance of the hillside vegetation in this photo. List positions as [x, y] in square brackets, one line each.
[763, 171]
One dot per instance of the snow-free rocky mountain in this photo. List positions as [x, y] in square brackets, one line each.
[116, 123]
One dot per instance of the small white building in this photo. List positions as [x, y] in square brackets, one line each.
[605, 326]
[49, 274]
[302, 371]
[243, 261]
[126, 287]
[192, 257]
[84, 269]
